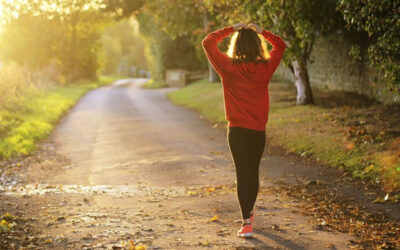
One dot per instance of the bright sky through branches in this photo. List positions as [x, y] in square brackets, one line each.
[2, 14]
[10, 9]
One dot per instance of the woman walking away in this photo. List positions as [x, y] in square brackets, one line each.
[245, 74]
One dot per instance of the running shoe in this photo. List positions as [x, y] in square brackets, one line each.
[246, 231]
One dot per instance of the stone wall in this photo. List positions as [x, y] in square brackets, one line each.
[333, 68]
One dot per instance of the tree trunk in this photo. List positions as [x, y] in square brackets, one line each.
[212, 74]
[302, 82]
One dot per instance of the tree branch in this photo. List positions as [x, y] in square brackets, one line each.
[309, 47]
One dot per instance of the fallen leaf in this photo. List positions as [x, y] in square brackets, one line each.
[4, 226]
[349, 145]
[192, 192]
[8, 216]
[131, 244]
[214, 218]
[386, 197]
[380, 199]
[211, 189]
[48, 241]
[275, 227]
[141, 247]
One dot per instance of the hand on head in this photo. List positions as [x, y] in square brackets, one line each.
[239, 26]
[256, 28]
[252, 26]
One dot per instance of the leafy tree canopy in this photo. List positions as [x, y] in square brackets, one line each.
[298, 22]
[381, 20]
[63, 32]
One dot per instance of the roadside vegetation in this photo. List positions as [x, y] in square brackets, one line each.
[343, 130]
[74, 43]
[154, 84]
[30, 109]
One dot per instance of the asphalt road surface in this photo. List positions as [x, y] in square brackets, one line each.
[139, 169]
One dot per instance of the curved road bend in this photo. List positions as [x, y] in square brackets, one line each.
[142, 168]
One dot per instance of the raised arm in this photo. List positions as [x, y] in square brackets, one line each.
[218, 59]
[277, 51]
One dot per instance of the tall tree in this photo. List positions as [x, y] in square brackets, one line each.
[63, 31]
[184, 18]
[212, 74]
[169, 28]
[298, 22]
[157, 43]
[381, 20]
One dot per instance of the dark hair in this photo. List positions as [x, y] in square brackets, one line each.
[248, 47]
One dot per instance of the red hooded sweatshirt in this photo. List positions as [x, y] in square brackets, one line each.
[245, 84]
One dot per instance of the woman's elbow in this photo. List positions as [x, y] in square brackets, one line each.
[205, 43]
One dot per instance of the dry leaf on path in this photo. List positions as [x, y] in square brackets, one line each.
[214, 218]
[211, 189]
[381, 200]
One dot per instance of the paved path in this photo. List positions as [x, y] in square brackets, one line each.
[140, 168]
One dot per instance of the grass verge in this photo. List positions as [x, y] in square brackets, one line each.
[37, 113]
[343, 130]
[152, 84]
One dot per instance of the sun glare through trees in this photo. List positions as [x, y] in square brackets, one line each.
[115, 124]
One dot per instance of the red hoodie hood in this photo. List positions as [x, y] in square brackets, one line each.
[252, 71]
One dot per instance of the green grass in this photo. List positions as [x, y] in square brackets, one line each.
[37, 113]
[152, 84]
[311, 131]
[202, 96]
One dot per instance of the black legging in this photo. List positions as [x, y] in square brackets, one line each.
[247, 147]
